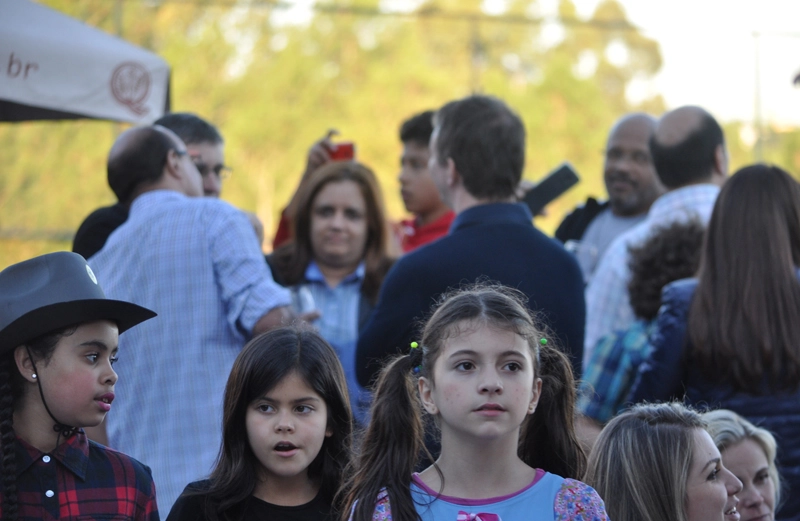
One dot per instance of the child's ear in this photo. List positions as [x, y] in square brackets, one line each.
[328, 431]
[24, 363]
[537, 392]
[425, 387]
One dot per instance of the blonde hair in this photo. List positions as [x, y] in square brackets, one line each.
[661, 435]
[728, 428]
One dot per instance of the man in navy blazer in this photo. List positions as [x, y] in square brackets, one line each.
[477, 157]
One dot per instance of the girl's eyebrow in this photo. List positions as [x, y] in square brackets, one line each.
[714, 461]
[470, 352]
[99, 344]
[298, 400]
[463, 352]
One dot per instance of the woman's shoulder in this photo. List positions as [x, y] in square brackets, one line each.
[577, 501]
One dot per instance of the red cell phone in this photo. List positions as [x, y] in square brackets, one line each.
[344, 151]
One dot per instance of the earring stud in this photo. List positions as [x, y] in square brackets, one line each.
[33, 376]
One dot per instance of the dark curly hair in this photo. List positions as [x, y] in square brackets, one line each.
[672, 252]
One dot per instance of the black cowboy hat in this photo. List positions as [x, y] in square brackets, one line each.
[54, 291]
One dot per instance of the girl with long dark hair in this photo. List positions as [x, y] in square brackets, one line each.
[287, 427]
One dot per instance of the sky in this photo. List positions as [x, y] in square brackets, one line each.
[709, 54]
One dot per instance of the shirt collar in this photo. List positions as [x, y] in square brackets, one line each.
[73, 453]
[492, 213]
[682, 198]
[154, 198]
[313, 273]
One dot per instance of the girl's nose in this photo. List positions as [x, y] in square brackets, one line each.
[492, 384]
[284, 424]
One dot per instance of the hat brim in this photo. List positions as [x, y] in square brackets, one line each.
[63, 314]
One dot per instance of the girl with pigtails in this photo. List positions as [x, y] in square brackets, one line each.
[502, 397]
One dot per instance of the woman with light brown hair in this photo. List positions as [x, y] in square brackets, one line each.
[657, 462]
[337, 258]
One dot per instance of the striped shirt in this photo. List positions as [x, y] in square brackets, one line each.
[195, 262]
[608, 308]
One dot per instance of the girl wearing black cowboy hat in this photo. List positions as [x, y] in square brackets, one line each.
[58, 341]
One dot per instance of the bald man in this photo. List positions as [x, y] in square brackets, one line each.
[632, 186]
[193, 260]
[691, 161]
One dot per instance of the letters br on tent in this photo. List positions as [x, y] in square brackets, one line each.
[55, 67]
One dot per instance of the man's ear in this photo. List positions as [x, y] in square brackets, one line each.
[24, 363]
[452, 177]
[425, 387]
[172, 165]
[720, 163]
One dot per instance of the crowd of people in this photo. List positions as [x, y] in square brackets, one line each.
[644, 363]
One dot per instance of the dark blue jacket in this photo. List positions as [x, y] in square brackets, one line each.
[665, 375]
[495, 241]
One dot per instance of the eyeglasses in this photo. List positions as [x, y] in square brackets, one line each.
[221, 171]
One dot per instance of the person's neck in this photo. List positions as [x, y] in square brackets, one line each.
[463, 200]
[479, 469]
[715, 180]
[334, 275]
[34, 425]
[432, 216]
[287, 491]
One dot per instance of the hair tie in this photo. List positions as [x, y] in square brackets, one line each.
[416, 357]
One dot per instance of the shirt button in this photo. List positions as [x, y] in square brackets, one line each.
[49, 493]
[46, 459]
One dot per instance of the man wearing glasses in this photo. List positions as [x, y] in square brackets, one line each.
[206, 149]
[194, 260]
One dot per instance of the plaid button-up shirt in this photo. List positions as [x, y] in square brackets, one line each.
[82, 480]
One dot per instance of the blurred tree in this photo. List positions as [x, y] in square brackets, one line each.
[275, 78]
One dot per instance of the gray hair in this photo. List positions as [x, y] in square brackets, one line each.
[728, 428]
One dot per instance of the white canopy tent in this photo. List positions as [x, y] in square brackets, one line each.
[55, 67]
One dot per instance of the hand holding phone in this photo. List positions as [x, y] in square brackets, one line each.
[344, 151]
[551, 187]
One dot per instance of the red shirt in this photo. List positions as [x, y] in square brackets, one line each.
[413, 235]
[82, 480]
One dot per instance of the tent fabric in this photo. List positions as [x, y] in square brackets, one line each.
[55, 67]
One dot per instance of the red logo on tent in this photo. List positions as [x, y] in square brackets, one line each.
[130, 85]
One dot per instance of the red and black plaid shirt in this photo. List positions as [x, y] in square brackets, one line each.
[81, 478]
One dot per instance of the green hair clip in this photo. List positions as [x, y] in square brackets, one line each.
[543, 341]
[415, 345]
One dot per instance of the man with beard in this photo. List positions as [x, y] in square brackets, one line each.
[632, 186]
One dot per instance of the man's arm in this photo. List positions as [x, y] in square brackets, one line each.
[318, 155]
[254, 302]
